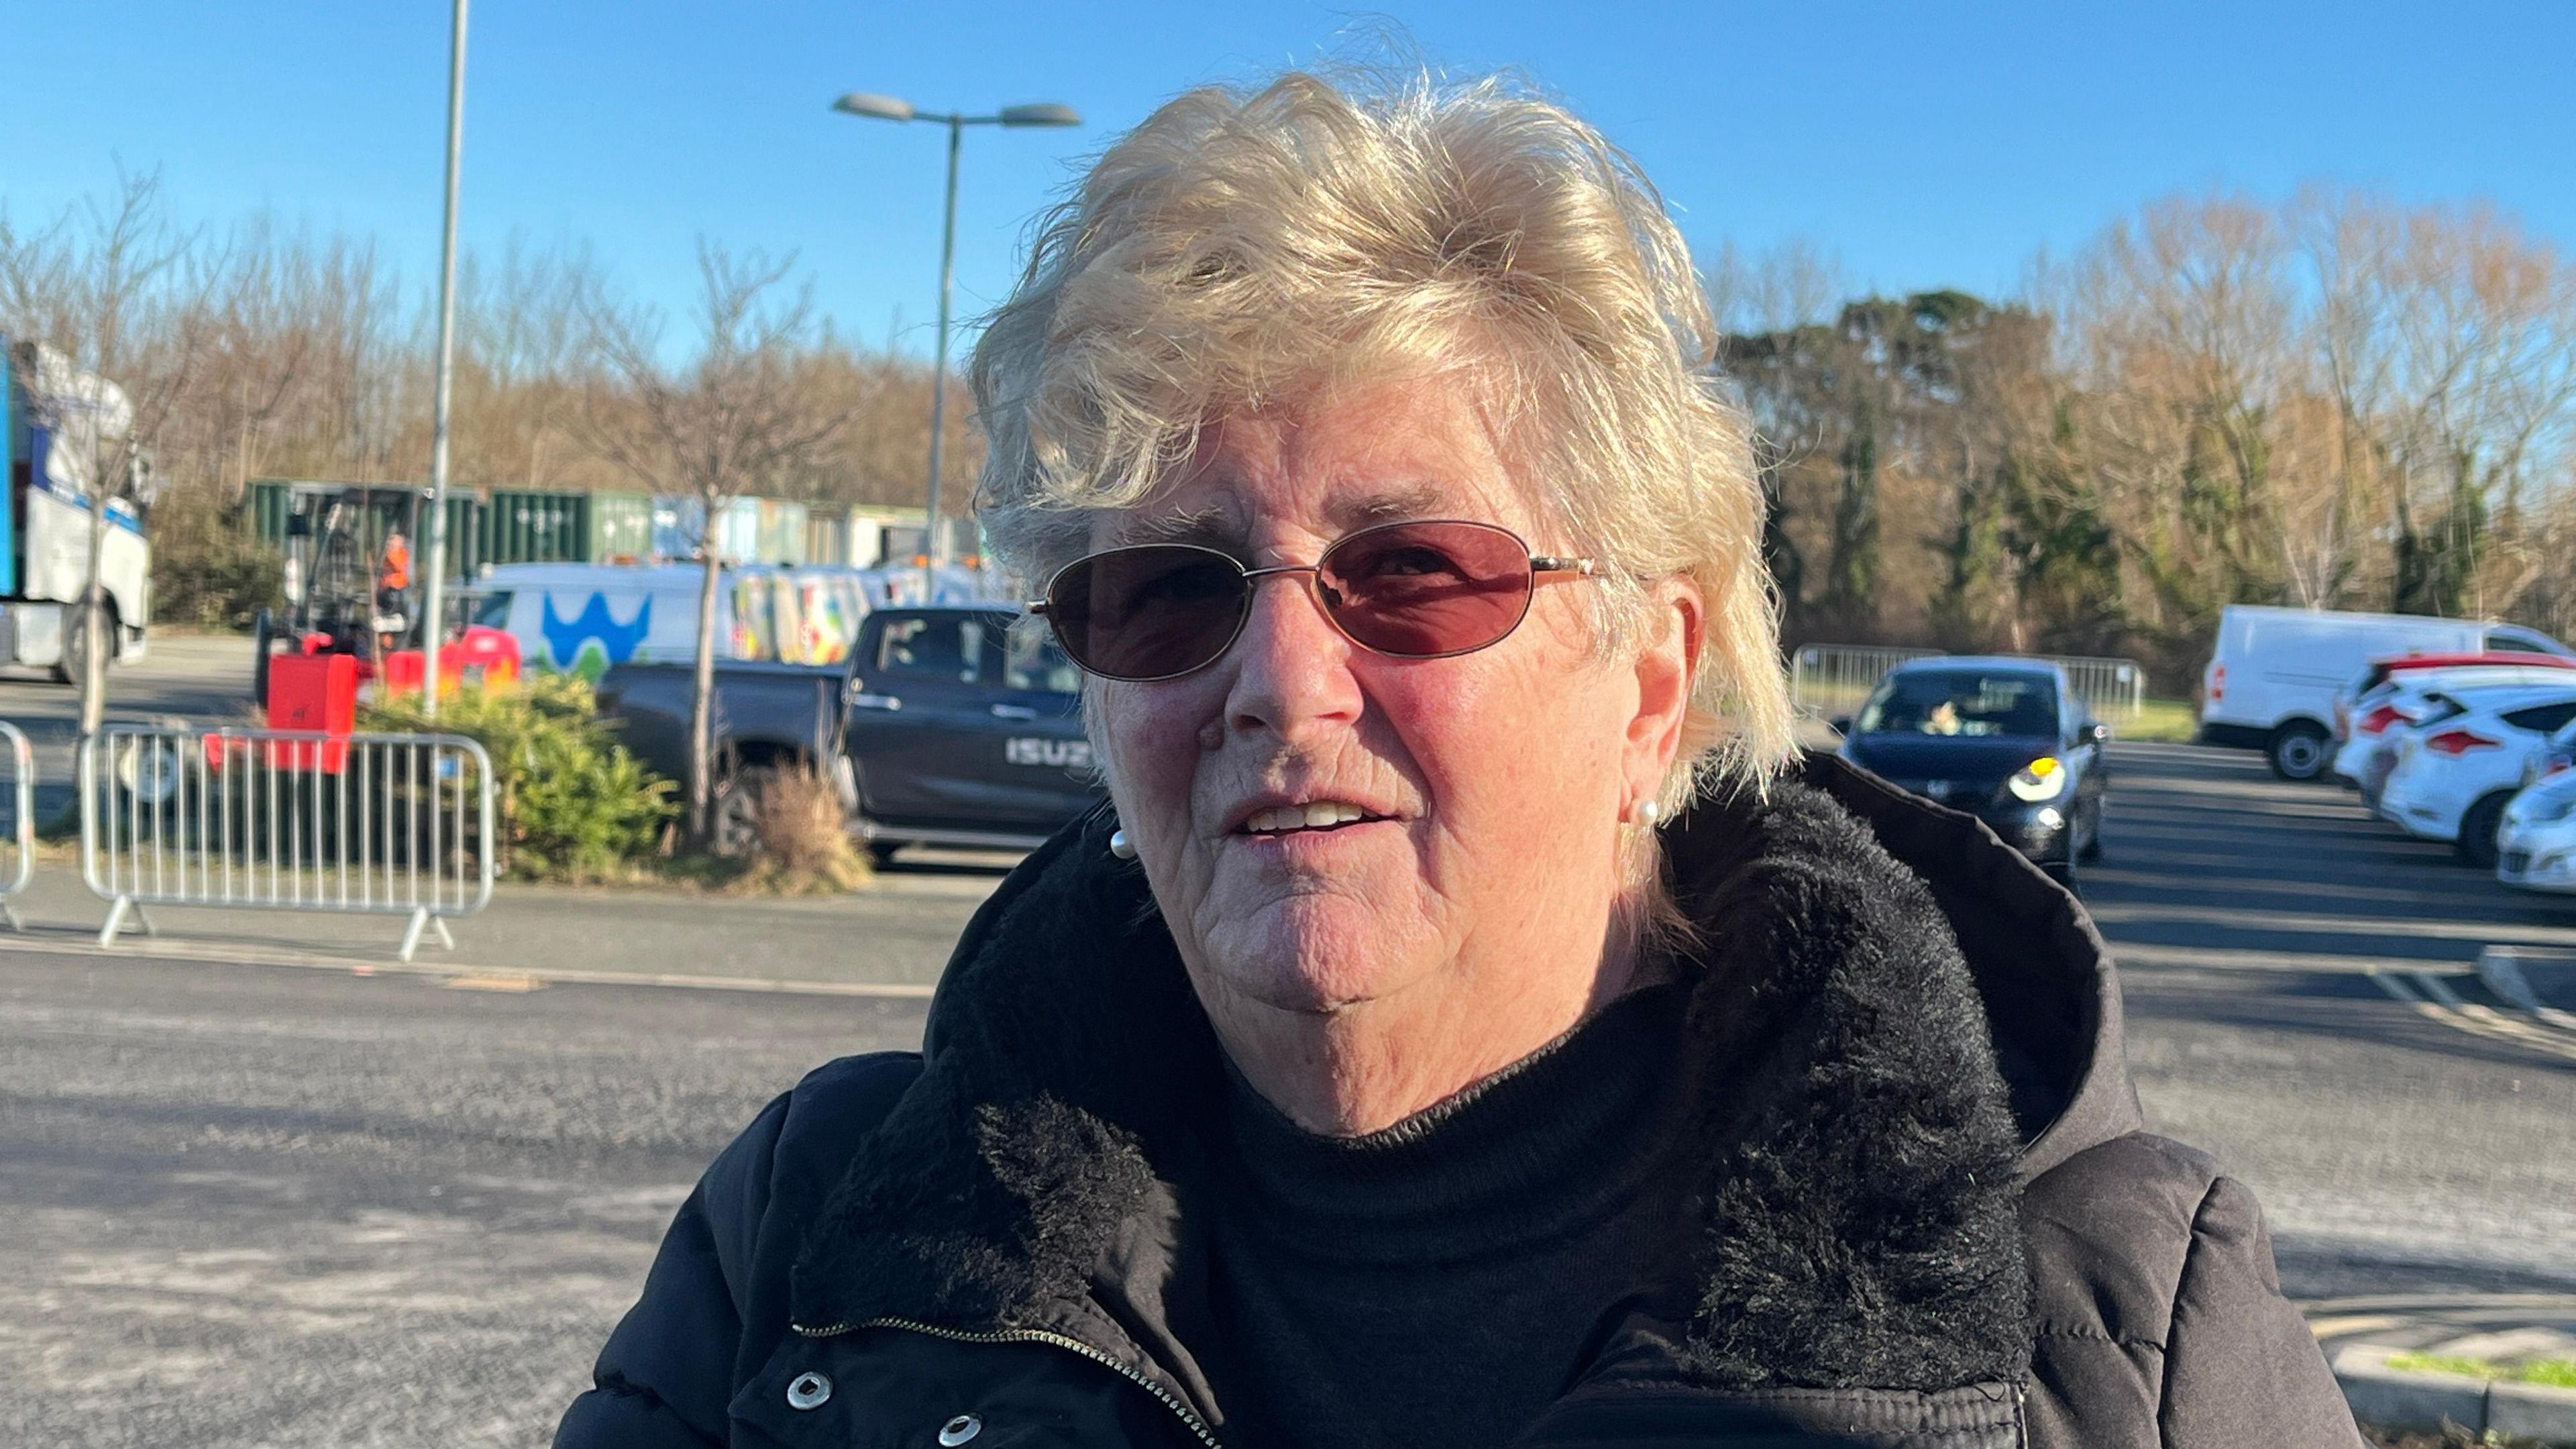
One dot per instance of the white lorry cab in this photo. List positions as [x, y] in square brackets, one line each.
[59, 426]
[2272, 681]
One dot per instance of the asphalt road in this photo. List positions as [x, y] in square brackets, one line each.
[181, 676]
[260, 1204]
[2285, 957]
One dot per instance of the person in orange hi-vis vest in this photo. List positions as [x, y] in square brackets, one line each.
[393, 581]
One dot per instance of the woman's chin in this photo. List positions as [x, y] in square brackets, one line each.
[1314, 953]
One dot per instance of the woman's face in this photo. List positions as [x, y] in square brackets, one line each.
[1490, 785]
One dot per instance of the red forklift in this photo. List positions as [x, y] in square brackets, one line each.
[356, 590]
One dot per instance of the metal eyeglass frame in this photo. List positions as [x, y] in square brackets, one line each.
[1541, 566]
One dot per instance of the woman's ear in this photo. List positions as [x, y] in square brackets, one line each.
[1667, 662]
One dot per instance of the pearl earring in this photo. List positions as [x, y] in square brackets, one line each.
[1645, 813]
[1120, 846]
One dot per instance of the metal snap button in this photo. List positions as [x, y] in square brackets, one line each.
[808, 1390]
[958, 1430]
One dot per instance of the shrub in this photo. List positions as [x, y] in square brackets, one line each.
[206, 571]
[802, 843]
[570, 802]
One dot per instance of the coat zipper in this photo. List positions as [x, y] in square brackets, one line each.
[1188, 1416]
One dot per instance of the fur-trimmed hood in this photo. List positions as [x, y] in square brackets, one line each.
[1886, 1094]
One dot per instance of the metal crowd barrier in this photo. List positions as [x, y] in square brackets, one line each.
[381, 824]
[22, 824]
[1834, 679]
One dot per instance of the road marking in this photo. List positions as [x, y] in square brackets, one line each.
[2422, 928]
[495, 981]
[2434, 1000]
[165, 949]
[2351, 1323]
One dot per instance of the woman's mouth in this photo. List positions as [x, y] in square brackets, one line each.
[1314, 815]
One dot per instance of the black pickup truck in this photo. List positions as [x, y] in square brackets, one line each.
[947, 727]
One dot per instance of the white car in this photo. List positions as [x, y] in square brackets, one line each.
[2462, 763]
[2403, 697]
[2536, 840]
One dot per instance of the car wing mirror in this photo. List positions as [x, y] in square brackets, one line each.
[2097, 732]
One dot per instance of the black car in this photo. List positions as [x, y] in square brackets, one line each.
[2004, 739]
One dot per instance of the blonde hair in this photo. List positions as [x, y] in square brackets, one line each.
[1238, 246]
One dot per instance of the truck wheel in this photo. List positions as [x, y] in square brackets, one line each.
[2477, 843]
[733, 823]
[74, 663]
[2298, 750]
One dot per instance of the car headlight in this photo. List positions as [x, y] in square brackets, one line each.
[2042, 779]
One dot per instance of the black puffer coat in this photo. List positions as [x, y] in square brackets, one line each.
[1931, 1217]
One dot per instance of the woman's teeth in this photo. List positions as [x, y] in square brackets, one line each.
[1314, 815]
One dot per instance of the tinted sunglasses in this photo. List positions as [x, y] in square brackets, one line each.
[1420, 590]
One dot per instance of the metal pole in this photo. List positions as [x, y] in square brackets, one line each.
[434, 620]
[939, 377]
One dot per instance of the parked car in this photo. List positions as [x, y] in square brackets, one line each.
[2458, 767]
[948, 726]
[2272, 679]
[2383, 672]
[2536, 837]
[2004, 739]
[2402, 697]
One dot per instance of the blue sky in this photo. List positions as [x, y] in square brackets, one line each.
[1926, 145]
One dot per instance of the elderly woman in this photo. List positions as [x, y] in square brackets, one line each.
[1477, 1024]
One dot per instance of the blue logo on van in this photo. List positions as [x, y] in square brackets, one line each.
[590, 641]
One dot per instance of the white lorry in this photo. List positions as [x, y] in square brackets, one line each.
[2271, 682]
[58, 427]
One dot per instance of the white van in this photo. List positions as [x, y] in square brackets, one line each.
[2271, 683]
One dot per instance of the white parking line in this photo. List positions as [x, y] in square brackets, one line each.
[465, 975]
[2434, 1000]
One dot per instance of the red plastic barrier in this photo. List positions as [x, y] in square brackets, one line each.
[316, 692]
[487, 658]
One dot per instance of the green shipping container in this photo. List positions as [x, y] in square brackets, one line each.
[268, 502]
[264, 506]
[532, 526]
[621, 526]
[525, 526]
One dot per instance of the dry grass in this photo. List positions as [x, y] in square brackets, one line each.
[804, 842]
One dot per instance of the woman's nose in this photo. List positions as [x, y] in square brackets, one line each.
[1292, 669]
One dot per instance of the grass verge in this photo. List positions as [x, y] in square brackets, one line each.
[2556, 1373]
[2163, 721]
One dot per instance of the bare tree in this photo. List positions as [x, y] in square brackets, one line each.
[744, 412]
[119, 295]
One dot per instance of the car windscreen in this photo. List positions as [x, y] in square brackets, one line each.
[1962, 702]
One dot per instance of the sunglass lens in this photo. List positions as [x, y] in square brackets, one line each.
[1421, 590]
[1148, 612]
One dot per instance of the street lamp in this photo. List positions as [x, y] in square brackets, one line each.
[890, 108]
[445, 389]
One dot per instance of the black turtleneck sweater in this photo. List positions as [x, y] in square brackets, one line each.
[1442, 1281]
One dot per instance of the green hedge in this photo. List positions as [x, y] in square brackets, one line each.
[572, 804]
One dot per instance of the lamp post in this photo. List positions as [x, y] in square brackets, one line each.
[434, 607]
[888, 108]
